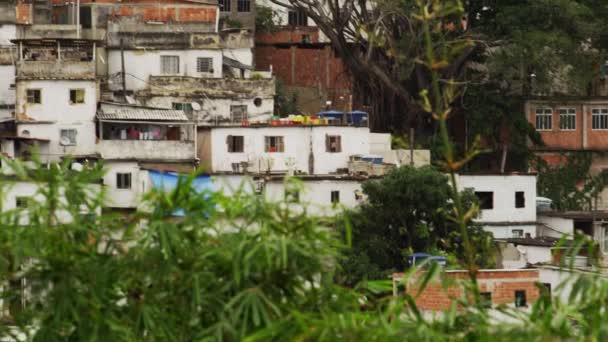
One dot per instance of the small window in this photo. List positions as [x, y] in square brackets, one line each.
[517, 233]
[567, 119]
[238, 113]
[169, 65]
[520, 298]
[85, 17]
[297, 18]
[235, 143]
[123, 180]
[186, 107]
[544, 119]
[67, 137]
[274, 144]
[599, 118]
[486, 299]
[22, 202]
[257, 102]
[243, 5]
[333, 143]
[33, 96]
[76, 96]
[520, 199]
[335, 196]
[486, 199]
[224, 5]
[204, 64]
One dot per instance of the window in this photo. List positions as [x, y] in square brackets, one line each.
[520, 298]
[76, 96]
[297, 18]
[333, 143]
[204, 64]
[123, 180]
[520, 199]
[169, 65]
[599, 118]
[33, 96]
[67, 137]
[335, 196]
[486, 199]
[257, 102]
[544, 119]
[274, 144]
[243, 5]
[224, 5]
[517, 233]
[22, 202]
[567, 119]
[486, 299]
[238, 113]
[186, 107]
[235, 143]
[85, 17]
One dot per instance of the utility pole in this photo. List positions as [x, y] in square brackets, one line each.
[123, 74]
[78, 19]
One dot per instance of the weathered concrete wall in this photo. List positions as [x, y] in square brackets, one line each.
[69, 70]
[140, 65]
[146, 149]
[7, 32]
[210, 88]
[8, 12]
[57, 31]
[7, 77]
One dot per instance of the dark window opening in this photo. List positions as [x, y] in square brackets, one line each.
[33, 96]
[235, 143]
[520, 199]
[123, 180]
[297, 18]
[520, 298]
[243, 5]
[85, 17]
[22, 202]
[333, 143]
[486, 299]
[274, 144]
[486, 199]
[76, 96]
[335, 196]
[257, 102]
[224, 5]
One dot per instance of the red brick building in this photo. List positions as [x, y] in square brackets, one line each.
[498, 286]
[305, 65]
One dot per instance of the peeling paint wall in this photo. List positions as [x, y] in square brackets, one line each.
[146, 149]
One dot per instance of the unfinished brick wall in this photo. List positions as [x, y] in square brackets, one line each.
[502, 285]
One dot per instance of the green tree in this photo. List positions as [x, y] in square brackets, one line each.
[407, 211]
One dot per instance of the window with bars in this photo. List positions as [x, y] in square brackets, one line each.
[544, 119]
[238, 113]
[33, 96]
[599, 118]
[274, 144]
[243, 5]
[22, 201]
[123, 180]
[333, 143]
[169, 65]
[236, 143]
[297, 18]
[224, 5]
[204, 64]
[76, 96]
[67, 137]
[567, 119]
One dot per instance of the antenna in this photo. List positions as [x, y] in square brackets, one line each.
[195, 106]
[64, 141]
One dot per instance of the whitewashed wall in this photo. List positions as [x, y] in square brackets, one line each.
[125, 198]
[504, 211]
[7, 32]
[141, 64]
[298, 143]
[56, 113]
[528, 255]
[7, 94]
[555, 226]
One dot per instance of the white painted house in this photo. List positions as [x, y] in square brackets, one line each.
[507, 201]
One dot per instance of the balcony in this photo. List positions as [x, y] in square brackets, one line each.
[147, 149]
[67, 70]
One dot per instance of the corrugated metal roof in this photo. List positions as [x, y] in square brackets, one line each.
[143, 114]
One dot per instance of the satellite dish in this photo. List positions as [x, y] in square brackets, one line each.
[195, 106]
[64, 141]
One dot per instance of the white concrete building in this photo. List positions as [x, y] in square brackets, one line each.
[507, 201]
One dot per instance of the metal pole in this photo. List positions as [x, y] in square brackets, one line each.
[78, 19]
[412, 146]
[122, 61]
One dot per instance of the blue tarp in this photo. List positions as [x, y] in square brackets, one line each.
[356, 117]
[167, 181]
